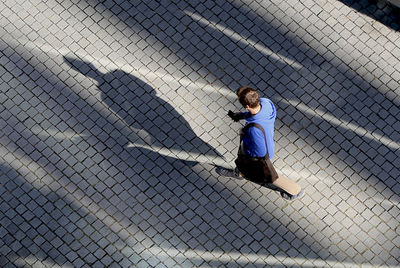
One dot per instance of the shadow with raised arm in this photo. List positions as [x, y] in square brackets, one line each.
[142, 111]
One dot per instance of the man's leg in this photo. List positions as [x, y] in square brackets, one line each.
[232, 173]
[288, 188]
[292, 197]
[287, 185]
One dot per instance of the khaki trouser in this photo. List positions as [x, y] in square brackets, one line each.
[282, 183]
[287, 185]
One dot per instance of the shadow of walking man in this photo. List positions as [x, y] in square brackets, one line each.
[137, 104]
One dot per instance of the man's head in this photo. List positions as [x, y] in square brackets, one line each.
[248, 97]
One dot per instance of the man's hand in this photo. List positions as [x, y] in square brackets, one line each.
[235, 116]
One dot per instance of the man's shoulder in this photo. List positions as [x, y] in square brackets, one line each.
[268, 102]
[264, 99]
[254, 129]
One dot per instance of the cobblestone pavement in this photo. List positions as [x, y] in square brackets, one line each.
[113, 118]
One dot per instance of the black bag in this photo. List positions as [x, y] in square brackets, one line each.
[257, 169]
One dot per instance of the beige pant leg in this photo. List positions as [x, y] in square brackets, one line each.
[287, 185]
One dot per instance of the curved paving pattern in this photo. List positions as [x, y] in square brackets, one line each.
[113, 118]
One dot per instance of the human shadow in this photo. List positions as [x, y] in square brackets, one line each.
[138, 105]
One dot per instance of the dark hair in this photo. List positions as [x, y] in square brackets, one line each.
[248, 96]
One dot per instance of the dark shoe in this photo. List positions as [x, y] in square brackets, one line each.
[292, 197]
[232, 173]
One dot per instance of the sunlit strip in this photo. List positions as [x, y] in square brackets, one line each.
[182, 155]
[191, 85]
[251, 258]
[344, 124]
[57, 134]
[22, 261]
[243, 40]
[142, 142]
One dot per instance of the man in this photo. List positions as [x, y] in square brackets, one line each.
[259, 143]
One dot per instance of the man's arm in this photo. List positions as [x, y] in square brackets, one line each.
[237, 116]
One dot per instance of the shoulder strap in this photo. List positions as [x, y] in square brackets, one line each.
[249, 125]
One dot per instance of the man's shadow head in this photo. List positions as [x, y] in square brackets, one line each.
[113, 82]
[83, 67]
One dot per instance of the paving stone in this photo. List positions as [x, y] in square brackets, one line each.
[344, 57]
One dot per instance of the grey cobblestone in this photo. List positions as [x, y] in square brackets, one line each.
[94, 177]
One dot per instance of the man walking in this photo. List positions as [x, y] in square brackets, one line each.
[257, 145]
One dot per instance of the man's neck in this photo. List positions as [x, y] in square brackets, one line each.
[255, 110]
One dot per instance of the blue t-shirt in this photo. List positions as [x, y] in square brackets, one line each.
[254, 142]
